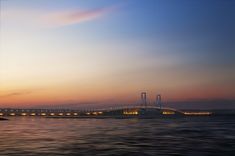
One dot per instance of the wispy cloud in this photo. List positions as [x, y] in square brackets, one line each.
[16, 93]
[63, 18]
[55, 18]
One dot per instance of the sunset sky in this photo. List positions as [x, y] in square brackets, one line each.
[108, 51]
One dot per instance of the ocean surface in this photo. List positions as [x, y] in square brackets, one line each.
[23, 136]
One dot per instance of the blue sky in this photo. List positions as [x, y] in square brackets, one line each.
[183, 49]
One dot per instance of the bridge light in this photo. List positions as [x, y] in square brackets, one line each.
[94, 113]
[75, 113]
[33, 114]
[68, 114]
[168, 112]
[43, 114]
[12, 114]
[23, 114]
[130, 112]
[52, 114]
[88, 113]
[61, 114]
[197, 113]
[1, 114]
[100, 112]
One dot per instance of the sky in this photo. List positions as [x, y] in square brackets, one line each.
[108, 51]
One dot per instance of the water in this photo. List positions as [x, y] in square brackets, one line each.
[181, 136]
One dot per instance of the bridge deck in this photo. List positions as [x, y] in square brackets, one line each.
[71, 112]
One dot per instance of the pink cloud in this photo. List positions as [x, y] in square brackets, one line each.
[27, 17]
[63, 18]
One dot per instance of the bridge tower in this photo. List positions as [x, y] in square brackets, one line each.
[159, 101]
[144, 99]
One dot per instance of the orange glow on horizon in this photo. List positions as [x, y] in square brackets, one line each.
[60, 96]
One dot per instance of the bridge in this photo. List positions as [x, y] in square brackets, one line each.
[127, 110]
[142, 109]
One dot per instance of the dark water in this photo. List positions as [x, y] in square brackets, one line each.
[181, 136]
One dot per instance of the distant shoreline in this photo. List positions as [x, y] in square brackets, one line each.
[2, 119]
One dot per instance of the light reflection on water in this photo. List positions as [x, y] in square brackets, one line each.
[182, 136]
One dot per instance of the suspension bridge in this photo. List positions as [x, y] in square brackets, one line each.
[143, 109]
